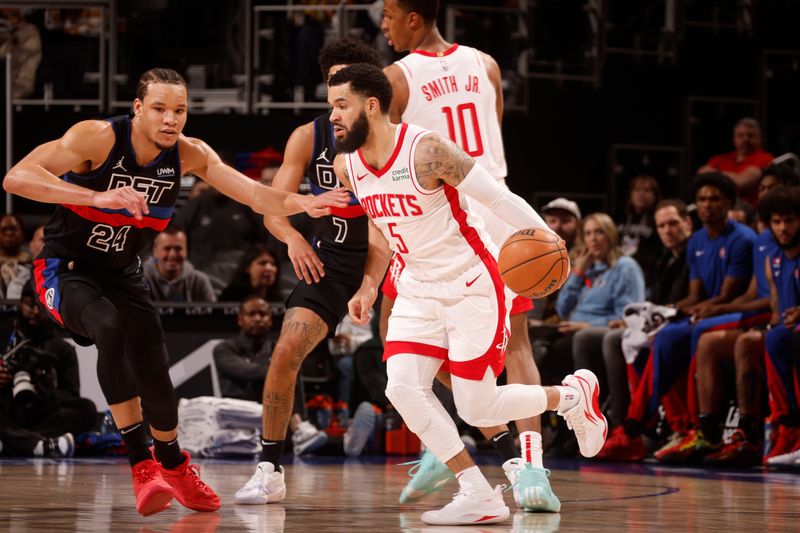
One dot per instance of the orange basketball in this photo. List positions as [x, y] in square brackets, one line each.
[534, 263]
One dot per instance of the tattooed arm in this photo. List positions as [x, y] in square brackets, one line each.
[439, 161]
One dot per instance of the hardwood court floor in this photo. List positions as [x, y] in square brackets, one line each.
[85, 495]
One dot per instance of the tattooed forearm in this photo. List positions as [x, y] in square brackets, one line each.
[439, 160]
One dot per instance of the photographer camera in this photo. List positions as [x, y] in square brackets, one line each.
[40, 405]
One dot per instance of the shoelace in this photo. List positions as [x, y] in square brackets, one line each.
[145, 472]
[193, 470]
[413, 470]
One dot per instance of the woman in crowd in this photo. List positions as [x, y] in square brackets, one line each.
[256, 275]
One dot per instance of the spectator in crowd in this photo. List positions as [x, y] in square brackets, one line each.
[256, 274]
[743, 165]
[198, 188]
[720, 258]
[601, 347]
[745, 349]
[21, 39]
[638, 236]
[40, 405]
[563, 217]
[218, 229]
[170, 276]
[602, 283]
[242, 363]
[15, 259]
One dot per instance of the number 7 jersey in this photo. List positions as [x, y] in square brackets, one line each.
[432, 230]
[450, 92]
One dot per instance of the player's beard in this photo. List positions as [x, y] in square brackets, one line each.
[792, 243]
[356, 136]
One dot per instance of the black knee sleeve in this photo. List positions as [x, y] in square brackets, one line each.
[100, 321]
[159, 402]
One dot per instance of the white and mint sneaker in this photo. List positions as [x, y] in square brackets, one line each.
[531, 487]
[428, 475]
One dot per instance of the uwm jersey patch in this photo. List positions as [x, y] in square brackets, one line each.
[112, 238]
[450, 93]
[430, 229]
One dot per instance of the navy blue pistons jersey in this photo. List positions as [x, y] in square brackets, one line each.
[786, 276]
[345, 228]
[113, 238]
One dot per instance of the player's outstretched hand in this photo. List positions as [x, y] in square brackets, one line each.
[319, 206]
[122, 198]
[360, 304]
[307, 265]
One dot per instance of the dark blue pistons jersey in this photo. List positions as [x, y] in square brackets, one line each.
[345, 228]
[113, 238]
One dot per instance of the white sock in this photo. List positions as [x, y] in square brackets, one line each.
[38, 450]
[471, 479]
[531, 444]
[569, 398]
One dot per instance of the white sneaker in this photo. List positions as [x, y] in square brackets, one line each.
[470, 507]
[786, 459]
[585, 418]
[307, 438]
[266, 486]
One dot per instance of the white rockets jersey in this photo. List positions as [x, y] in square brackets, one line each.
[450, 93]
[431, 230]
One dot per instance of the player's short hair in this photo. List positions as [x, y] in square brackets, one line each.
[785, 174]
[427, 9]
[718, 180]
[366, 80]
[157, 75]
[678, 204]
[779, 201]
[347, 52]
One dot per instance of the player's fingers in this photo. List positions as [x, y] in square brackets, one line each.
[311, 268]
[317, 265]
[352, 309]
[131, 204]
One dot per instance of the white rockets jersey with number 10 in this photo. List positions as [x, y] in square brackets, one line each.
[430, 229]
[450, 92]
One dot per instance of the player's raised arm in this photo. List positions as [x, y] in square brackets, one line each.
[86, 144]
[198, 158]
[438, 160]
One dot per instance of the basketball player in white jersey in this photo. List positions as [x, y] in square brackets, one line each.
[456, 91]
[451, 307]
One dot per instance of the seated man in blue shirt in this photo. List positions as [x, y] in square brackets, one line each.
[720, 258]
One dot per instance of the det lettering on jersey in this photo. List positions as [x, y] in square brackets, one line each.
[151, 188]
[447, 85]
[391, 205]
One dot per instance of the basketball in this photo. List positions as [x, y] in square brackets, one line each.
[533, 262]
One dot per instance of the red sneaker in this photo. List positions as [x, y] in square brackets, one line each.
[787, 440]
[153, 493]
[620, 447]
[189, 489]
[739, 452]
